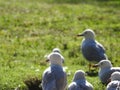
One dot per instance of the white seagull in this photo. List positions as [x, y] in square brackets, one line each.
[92, 50]
[79, 82]
[115, 82]
[105, 70]
[54, 77]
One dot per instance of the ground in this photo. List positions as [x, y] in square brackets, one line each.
[30, 29]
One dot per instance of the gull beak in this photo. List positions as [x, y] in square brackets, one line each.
[95, 65]
[109, 80]
[80, 35]
[47, 60]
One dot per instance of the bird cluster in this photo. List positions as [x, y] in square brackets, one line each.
[55, 77]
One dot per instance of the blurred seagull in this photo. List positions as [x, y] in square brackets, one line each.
[54, 77]
[80, 82]
[92, 50]
[106, 70]
[57, 50]
[115, 82]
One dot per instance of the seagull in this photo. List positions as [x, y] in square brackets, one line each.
[57, 50]
[79, 82]
[54, 77]
[115, 82]
[105, 71]
[92, 50]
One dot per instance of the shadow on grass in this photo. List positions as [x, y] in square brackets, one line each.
[33, 83]
[108, 3]
[76, 1]
[92, 73]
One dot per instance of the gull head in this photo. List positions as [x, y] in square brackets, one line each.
[55, 58]
[88, 34]
[79, 74]
[115, 76]
[56, 50]
[104, 64]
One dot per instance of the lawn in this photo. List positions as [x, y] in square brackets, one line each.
[30, 29]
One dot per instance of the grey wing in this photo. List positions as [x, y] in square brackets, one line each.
[100, 46]
[48, 81]
[113, 85]
[72, 86]
[106, 76]
[85, 86]
[102, 50]
[90, 86]
[93, 52]
[61, 82]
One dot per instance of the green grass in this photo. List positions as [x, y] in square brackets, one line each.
[30, 29]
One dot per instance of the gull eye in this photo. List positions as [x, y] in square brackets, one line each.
[102, 63]
[85, 33]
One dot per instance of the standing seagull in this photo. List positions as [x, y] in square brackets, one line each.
[92, 50]
[115, 82]
[79, 82]
[54, 77]
[106, 70]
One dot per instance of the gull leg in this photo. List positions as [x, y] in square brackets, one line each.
[90, 67]
[91, 72]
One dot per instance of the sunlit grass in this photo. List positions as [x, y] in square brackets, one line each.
[30, 29]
